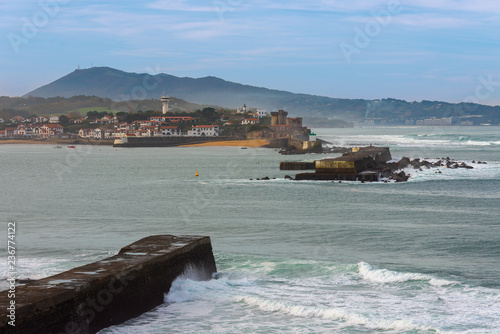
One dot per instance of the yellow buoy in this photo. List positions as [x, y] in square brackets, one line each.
[197, 173]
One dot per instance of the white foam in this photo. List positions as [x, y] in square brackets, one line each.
[418, 140]
[387, 276]
[185, 289]
[350, 318]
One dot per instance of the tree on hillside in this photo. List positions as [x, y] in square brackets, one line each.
[63, 120]
[96, 114]
[122, 115]
[207, 115]
[75, 115]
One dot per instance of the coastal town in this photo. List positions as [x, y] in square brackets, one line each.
[240, 123]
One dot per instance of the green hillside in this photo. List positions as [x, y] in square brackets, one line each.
[14, 106]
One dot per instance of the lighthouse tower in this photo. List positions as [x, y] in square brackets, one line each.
[164, 101]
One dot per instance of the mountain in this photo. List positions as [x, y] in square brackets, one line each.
[118, 85]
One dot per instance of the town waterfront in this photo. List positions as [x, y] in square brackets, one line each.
[297, 257]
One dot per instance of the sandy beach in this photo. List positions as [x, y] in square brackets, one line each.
[242, 143]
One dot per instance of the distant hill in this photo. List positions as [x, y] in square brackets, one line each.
[118, 85]
[19, 106]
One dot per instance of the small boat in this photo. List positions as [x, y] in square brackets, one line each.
[58, 146]
[243, 148]
[71, 146]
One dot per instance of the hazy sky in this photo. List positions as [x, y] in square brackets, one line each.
[422, 49]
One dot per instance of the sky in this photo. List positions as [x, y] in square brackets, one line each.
[447, 50]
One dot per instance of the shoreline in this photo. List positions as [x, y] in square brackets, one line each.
[243, 143]
[253, 143]
[54, 141]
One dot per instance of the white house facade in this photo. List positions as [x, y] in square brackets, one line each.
[204, 130]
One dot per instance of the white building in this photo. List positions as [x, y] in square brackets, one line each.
[242, 110]
[247, 121]
[51, 130]
[262, 113]
[99, 133]
[41, 119]
[54, 119]
[170, 131]
[204, 130]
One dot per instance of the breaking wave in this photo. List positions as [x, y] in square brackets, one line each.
[368, 273]
[350, 319]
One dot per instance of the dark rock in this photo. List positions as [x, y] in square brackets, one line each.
[426, 164]
[437, 163]
[400, 177]
[416, 163]
[288, 177]
[265, 178]
[403, 163]
[463, 165]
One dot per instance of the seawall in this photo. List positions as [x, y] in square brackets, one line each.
[108, 292]
[295, 146]
[364, 164]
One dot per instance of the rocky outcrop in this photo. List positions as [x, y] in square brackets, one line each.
[392, 171]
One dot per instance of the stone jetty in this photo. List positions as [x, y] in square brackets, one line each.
[107, 292]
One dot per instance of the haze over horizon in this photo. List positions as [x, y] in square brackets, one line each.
[424, 50]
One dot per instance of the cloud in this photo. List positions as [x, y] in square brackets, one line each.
[268, 51]
[341, 6]
[323, 5]
[477, 6]
[179, 5]
[431, 21]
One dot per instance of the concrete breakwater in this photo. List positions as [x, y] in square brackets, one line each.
[360, 165]
[107, 292]
[367, 164]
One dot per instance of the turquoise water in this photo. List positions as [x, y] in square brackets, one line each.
[297, 257]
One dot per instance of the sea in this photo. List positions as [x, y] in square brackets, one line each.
[421, 256]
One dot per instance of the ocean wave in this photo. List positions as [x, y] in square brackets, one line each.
[413, 140]
[387, 276]
[488, 171]
[350, 318]
[185, 289]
